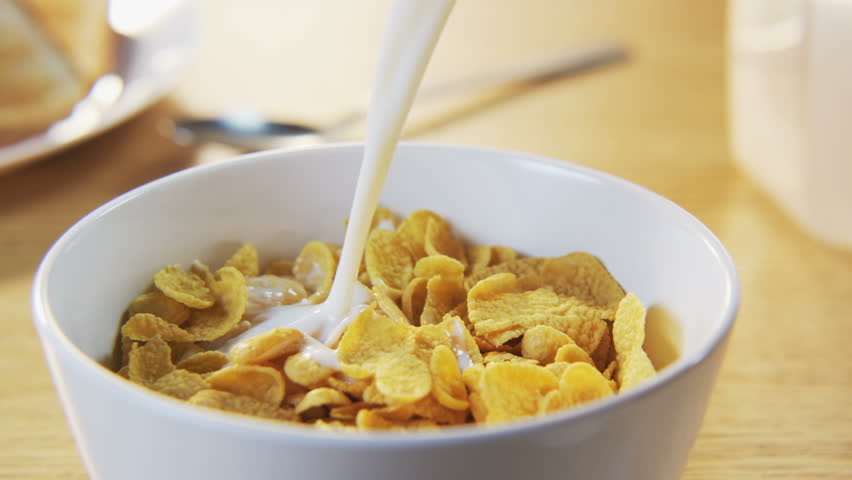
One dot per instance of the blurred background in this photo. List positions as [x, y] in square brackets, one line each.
[659, 118]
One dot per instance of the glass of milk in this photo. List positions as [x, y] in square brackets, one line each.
[791, 107]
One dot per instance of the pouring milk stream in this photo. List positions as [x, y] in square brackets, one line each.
[410, 38]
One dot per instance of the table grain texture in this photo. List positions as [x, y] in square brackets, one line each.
[782, 406]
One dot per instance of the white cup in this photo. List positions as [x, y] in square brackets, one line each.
[791, 107]
[278, 201]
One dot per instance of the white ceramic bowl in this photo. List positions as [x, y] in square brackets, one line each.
[280, 200]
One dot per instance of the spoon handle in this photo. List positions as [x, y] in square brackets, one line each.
[529, 71]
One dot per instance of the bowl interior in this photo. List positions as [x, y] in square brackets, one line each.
[279, 201]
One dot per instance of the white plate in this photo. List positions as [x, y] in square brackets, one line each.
[149, 64]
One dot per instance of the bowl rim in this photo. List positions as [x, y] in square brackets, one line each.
[52, 335]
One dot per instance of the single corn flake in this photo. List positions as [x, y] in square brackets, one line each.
[389, 263]
[581, 275]
[349, 386]
[414, 299]
[241, 404]
[572, 353]
[369, 340]
[150, 361]
[580, 383]
[439, 266]
[412, 232]
[314, 268]
[442, 295]
[439, 240]
[511, 390]
[369, 420]
[229, 290]
[521, 268]
[267, 346]
[447, 385]
[158, 304]
[322, 397]
[628, 334]
[495, 357]
[145, 326]
[542, 342]
[304, 370]
[403, 378]
[245, 260]
[180, 384]
[261, 383]
[203, 362]
[184, 287]
[389, 307]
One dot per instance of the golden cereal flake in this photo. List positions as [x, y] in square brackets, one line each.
[145, 326]
[304, 370]
[184, 287]
[158, 304]
[389, 263]
[229, 290]
[264, 384]
[203, 362]
[412, 232]
[267, 346]
[414, 299]
[572, 353]
[628, 334]
[510, 390]
[150, 361]
[245, 260]
[521, 267]
[314, 268]
[542, 342]
[439, 266]
[180, 384]
[439, 240]
[442, 295]
[447, 385]
[403, 378]
[322, 397]
[241, 404]
[581, 275]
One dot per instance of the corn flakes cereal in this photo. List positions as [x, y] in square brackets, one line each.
[158, 304]
[389, 263]
[314, 269]
[245, 260]
[511, 390]
[203, 362]
[500, 311]
[322, 397]
[185, 287]
[439, 240]
[150, 361]
[229, 290]
[267, 346]
[447, 385]
[414, 299]
[442, 295]
[542, 342]
[242, 404]
[180, 384]
[261, 383]
[454, 335]
[628, 334]
[145, 326]
[302, 369]
[412, 232]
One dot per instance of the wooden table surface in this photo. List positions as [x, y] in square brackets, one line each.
[781, 407]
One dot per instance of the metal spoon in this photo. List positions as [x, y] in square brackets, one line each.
[249, 131]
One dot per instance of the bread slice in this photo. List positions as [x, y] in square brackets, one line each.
[50, 53]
